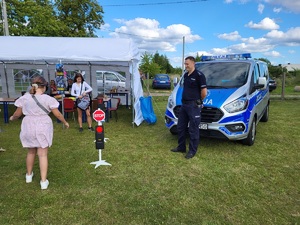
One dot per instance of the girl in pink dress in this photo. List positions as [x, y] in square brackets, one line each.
[37, 127]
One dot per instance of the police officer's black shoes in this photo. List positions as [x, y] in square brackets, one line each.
[189, 155]
[178, 150]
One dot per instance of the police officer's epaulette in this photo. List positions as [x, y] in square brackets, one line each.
[199, 73]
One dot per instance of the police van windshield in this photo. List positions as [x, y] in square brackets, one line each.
[224, 74]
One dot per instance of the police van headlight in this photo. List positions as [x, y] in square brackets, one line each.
[170, 103]
[237, 105]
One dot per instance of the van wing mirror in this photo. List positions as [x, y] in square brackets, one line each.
[262, 83]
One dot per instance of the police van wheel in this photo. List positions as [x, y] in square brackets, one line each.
[173, 130]
[265, 117]
[251, 135]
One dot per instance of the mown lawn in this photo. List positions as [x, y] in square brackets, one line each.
[226, 183]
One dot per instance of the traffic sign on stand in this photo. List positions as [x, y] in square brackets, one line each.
[99, 115]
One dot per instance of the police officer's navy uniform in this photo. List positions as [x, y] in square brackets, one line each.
[190, 111]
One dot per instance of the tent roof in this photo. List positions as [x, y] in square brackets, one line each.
[66, 49]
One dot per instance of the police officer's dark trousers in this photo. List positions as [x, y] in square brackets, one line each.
[189, 114]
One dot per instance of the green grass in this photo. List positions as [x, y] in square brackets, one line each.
[289, 87]
[226, 183]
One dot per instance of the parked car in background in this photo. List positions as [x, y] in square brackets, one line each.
[161, 81]
[272, 84]
[107, 80]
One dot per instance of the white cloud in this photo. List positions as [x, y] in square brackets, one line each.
[272, 54]
[249, 45]
[277, 10]
[290, 38]
[265, 24]
[289, 5]
[220, 51]
[233, 36]
[176, 60]
[244, 47]
[148, 34]
[199, 53]
[105, 27]
[258, 41]
[275, 34]
[261, 8]
[264, 45]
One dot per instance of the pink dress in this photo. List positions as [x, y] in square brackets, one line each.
[37, 126]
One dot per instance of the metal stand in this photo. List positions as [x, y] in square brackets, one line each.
[100, 162]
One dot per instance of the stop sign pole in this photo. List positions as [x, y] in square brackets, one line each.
[99, 116]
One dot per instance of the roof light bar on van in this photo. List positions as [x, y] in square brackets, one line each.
[229, 56]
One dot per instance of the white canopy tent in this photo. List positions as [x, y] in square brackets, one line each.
[85, 54]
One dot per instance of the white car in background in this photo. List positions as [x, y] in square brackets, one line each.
[107, 80]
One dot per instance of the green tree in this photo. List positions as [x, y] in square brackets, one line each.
[163, 62]
[53, 18]
[31, 18]
[40, 20]
[81, 18]
[177, 70]
[198, 58]
[276, 71]
[148, 66]
[266, 61]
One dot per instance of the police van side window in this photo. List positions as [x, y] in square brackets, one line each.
[263, 68]
[254, 78]
[256, 74]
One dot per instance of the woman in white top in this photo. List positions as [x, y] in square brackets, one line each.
[80, 88]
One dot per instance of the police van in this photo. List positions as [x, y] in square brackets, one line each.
[237, 98]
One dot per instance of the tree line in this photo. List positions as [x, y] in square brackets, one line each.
[154, 63]
[59, 18]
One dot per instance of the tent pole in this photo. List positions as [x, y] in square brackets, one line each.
[90, 68]
[5, 73]
[48, 73]
[131, 95]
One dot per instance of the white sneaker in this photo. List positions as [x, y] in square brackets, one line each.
[44, 185]
[29, 178]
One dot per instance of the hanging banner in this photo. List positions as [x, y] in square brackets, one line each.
[60, 78]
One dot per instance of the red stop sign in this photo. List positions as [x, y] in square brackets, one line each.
[99, 115]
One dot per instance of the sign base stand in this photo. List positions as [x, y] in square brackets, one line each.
[100, 162]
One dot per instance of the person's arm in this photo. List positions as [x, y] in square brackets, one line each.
[16, 114]
[203, 87]
[59, 116]
[203, 93]
[87, 89]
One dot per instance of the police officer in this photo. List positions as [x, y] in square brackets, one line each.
[194, 91]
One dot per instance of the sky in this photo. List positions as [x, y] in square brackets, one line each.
[178, 28]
